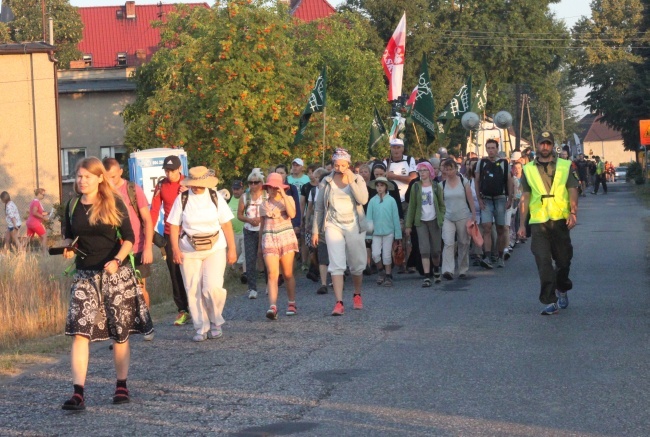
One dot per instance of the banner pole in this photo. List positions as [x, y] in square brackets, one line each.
[417, 137]
[323, 160]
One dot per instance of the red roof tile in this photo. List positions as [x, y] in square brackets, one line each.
[599, 131]
[309, 10]
[105, 35]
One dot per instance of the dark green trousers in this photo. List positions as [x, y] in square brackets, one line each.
[552, 244]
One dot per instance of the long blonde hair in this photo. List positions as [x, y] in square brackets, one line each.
[104, 210]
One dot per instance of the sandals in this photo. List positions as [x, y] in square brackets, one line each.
[75, 403]
[121, 396]
[426, 283]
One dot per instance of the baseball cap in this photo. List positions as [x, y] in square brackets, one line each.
[297, 161]
[515, 155]
[545, 137]
[172, 162]
[237, 184]
[396, 142]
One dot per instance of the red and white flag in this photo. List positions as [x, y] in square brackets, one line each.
[414, 94]
[393, 60]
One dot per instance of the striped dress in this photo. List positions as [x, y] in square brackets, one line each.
[278, 237]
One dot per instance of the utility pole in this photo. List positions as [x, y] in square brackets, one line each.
[44, 20]
[562, 118]
[521, 121]
[530, 123]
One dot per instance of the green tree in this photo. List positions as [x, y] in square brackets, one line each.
[520, 46]
[28, 26]
[612, 58]
[231, 82]
[5, 35]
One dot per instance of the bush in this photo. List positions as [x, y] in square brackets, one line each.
[635, 173]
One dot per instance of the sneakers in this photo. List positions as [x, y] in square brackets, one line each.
[551, 309]
[272, 313]
[448, 276]
[486, 264]
[506, 254]
[215, 332]
[436, 277]
[338, 309]
[148, 337]
[183, 318]
[304, 267]
[382, 277]
[243, 279]
[252, 294]
[501, 263]
[426, 283]
[388, 282]
[357, 303]
[292, 310]
[562, 299]
[322, 290]
[200, 337]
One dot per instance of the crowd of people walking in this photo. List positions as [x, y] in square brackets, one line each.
[343, 221]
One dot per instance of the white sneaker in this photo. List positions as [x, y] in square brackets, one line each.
[252, 294]
[148, 337]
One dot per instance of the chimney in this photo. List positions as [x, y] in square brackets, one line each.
[130, 10]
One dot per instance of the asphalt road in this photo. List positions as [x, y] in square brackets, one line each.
[464, 358]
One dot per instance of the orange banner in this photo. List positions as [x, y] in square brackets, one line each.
[644, 130]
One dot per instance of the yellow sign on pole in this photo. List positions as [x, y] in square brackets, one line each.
[644, 131]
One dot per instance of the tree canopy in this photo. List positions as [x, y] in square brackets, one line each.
[612, 58]
[230, 83]
[28, 26]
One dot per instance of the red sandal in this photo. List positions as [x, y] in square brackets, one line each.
[121, 396]
[75, 403]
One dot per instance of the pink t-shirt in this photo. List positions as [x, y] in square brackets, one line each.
[138, 229]
[32, 220]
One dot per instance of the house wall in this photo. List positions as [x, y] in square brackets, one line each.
[609, 151]
[28, 129]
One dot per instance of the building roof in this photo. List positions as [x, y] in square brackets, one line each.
[109, 30]
[309, 10]
[27, 47]
[599, 131]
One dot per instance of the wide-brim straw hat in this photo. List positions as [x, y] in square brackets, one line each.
[200, 177]
[373, 183]
[275, 180]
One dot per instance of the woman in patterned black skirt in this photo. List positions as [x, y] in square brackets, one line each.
[105, 301]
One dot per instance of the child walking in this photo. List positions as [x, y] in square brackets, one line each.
[383, 219]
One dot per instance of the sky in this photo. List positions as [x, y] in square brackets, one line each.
[568, 10]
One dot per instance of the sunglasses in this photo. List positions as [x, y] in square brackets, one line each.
[254, 182]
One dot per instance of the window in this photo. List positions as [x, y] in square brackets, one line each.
[121, 59]
[88, 60]
[69, 160]
[117, 152]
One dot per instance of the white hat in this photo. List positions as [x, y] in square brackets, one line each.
[515, 155]
[298, 161]
[396, 142]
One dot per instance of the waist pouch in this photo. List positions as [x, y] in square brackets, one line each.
[202, 242]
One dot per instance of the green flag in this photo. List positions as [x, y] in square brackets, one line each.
[377, 131]
[460, 103]
[479, 99]
[424, 107]
[442, 126]
[316, 103]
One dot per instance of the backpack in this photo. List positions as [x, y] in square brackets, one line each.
[493, 177]
[247, 200]
[213, 196]
[130, 191]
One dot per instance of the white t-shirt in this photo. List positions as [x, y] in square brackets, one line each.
[428, 209]
[401, 168]
[200, 217]
[253, 210]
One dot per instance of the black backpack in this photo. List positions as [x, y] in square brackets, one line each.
[493, 177]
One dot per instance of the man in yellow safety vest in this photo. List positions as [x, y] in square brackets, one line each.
[550, 194]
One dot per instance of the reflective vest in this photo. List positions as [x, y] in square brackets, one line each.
[553, 205]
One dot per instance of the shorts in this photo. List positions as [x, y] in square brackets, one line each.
[144, 269]
[36, 229]
[495, 210]
[323, 256]
[280, 243]
[11, 228]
